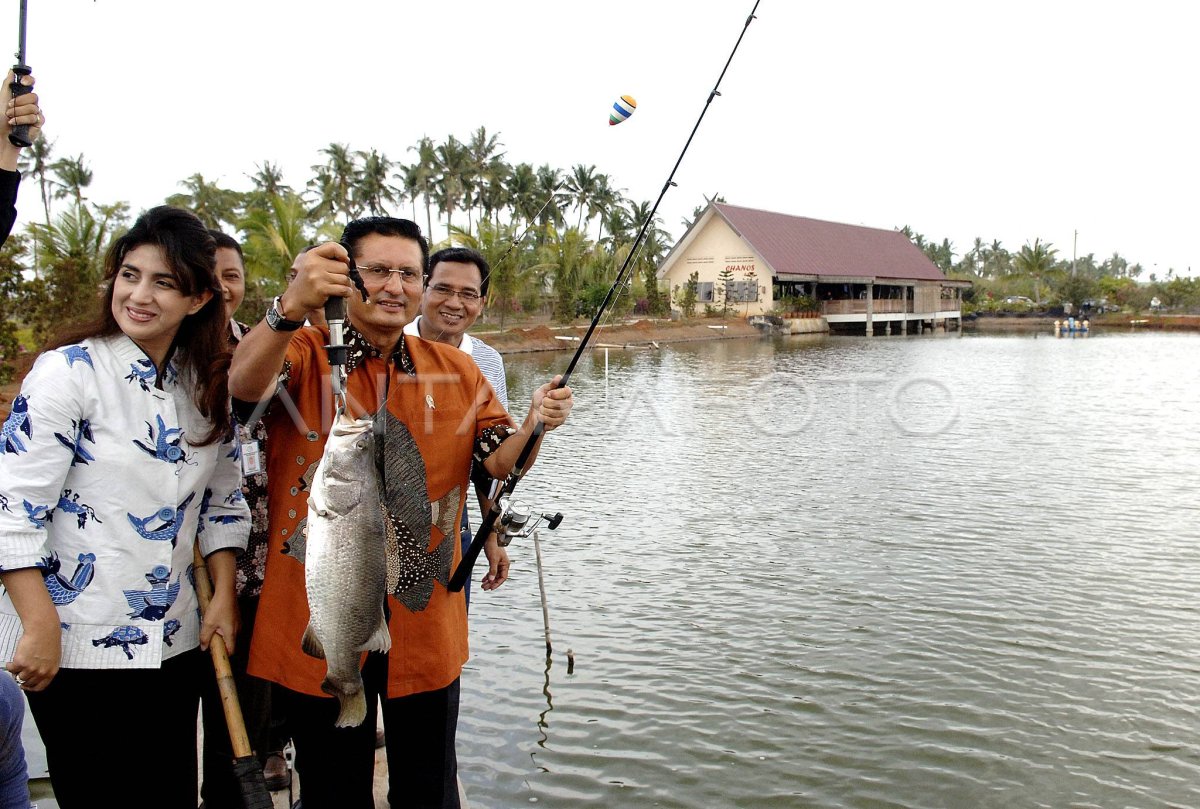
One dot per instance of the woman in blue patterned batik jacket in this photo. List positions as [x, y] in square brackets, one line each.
[117, 457]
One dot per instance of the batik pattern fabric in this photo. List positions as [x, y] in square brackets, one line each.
[252, 562]
[103, 492]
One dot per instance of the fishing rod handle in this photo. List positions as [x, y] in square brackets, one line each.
[335, 308]
[19, 136]
[463, 571]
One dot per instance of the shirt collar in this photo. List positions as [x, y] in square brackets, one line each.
[361, 348]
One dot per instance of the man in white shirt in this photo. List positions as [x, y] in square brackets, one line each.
[456, 285]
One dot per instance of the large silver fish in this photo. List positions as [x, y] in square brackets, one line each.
[345, 569]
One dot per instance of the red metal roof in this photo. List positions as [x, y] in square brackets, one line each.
[802, 246]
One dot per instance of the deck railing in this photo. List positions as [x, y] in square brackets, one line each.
[858, 306]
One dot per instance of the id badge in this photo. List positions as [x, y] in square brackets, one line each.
[251, 458]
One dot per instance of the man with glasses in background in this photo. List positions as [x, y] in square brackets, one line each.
[441, 414]
[456, 286]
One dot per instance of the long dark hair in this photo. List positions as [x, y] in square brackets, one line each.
[201, 347]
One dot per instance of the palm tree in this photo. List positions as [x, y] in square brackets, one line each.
[493, 190]
[425, 174]
[997, 262]
[73, 176]
[36, 161]
[268, 180]
[550, 195]
[581, 185]
[453, 178]
[275, 234]
[409, 187]
[333, 181]
[485, 161]
[213, 204]
[522, 192]
[604, 199]
[1036, 261]
[371, 190]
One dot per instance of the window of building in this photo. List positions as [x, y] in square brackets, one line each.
[741, 291]
[704, 292]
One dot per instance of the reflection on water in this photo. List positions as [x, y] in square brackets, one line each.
[841, 572]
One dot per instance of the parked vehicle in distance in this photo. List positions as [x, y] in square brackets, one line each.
[1018, 300]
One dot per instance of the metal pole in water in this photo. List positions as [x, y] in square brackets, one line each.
[537, 549]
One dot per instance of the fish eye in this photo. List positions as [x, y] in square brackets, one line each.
[360, 444]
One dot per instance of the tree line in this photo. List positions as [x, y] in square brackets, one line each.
[1037, 271]
[555, 237]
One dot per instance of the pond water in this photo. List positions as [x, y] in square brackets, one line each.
[925, 571]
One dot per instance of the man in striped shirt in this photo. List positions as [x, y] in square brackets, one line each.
[456, 285]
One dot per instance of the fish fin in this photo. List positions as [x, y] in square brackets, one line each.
[445, 510]
[311, 644]
[353, 709]
[380, 640]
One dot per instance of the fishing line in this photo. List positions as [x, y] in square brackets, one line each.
[500, 502]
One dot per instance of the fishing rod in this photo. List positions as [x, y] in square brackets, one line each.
[19, 135]
[502, 505]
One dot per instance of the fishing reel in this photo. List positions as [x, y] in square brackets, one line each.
[518, 520]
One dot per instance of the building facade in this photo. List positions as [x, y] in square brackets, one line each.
[852, 278]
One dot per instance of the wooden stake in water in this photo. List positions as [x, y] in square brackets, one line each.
[537, 549]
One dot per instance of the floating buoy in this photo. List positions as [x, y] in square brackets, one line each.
[622, 109]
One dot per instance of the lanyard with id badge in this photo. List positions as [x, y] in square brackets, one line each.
[250, 451]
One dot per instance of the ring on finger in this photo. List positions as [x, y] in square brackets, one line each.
[20, 680]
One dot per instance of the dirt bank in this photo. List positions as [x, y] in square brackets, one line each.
[629, 334]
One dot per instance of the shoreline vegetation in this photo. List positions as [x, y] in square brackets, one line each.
[646, 334]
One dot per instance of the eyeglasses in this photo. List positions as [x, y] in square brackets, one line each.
[465, 295]
[380, 275]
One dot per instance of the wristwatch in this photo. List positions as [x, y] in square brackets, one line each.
[275, 319]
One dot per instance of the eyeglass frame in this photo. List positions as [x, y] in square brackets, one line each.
[467, 296]
[377, 274]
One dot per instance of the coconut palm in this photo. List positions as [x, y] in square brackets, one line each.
[604, 199]
[454, 175]
[493, 193]
[581, 185]
[268, 182]
[522, 192]
[371, 191]
[334, 181]
[1036, 261]
[36, 161]
[551, 197]
[425, 176]
[71, 176]
[486, 160]
[275, 234]
[214, 205]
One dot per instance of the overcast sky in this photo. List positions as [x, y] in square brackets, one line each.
[1010, 121]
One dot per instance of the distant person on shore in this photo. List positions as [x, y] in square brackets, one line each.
[23, 110]
[117, 460]
[456, 287]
